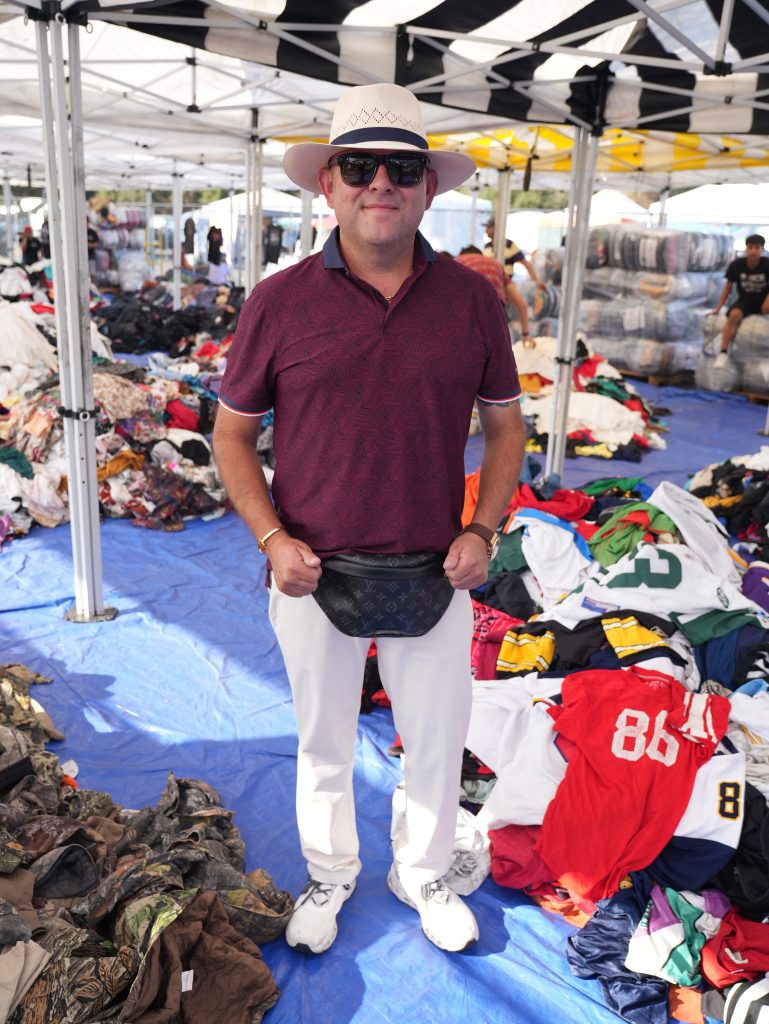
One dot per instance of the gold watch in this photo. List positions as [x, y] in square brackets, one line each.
[487, 534]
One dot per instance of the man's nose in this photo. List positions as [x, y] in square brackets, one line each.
[381, 179]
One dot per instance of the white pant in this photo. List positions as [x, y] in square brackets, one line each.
[429, 684]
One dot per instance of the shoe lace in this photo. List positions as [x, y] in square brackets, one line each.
[318, 893]
[436, 891]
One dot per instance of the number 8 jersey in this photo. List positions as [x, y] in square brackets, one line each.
[640, 737]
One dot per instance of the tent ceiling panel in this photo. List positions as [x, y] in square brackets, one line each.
[150, 96]
[529, 60]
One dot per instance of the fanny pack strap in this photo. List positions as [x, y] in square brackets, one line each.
[350, 567]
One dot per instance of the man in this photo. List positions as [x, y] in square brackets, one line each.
[472, 257]
[750, 274]
[513, 255]
[30, 247]
[372, 353]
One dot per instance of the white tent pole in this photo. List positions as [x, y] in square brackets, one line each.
[258, 206]
[474, 211]
[500, 215]
[249, 246]
[74, 345]
[567, 274]
[148, 229]
[176, 204]
[232, 228]
[8, 218]
[305, 235]
[572, 293]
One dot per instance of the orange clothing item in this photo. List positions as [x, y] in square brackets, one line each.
[472, 486]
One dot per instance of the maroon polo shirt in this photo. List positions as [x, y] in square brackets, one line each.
[372, 400]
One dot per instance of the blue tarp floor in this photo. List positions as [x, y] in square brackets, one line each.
[188, 678]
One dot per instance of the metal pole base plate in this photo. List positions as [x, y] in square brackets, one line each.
[71, 615]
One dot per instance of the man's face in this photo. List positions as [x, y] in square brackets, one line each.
[379, 214]
[753, 252]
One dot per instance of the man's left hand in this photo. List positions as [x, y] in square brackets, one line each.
[467, 562]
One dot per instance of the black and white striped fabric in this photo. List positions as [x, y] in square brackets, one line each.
[597, 63]
[747, 1002]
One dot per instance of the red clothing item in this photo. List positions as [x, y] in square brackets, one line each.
[640, 737]
[565, 504]
[515, 862]
[489, 628]
[739, 951]
[180, 415]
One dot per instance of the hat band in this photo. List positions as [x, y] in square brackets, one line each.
[382, 135]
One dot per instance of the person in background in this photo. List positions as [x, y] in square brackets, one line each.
[513, 255]
[215, 242]
[372, 353]
[750, 275]
[30, 246]
[472, 257]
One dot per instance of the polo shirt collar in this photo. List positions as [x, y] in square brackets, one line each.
[332, 254]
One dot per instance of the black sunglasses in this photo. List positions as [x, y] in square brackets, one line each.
[359, 169]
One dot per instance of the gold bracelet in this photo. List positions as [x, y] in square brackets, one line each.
[262, 541]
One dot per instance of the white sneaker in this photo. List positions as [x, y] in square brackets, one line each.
[720, 361]
[312, 927]
[446, 920]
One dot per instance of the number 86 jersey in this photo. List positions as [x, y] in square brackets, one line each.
[640, 737]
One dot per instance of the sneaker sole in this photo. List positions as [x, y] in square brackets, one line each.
[302, 947]
[396, 888]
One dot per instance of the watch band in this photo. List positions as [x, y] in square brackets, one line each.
[480, 530]
[262, 541]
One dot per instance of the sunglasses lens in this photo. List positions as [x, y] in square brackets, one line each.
[359, 169]
[406, 170]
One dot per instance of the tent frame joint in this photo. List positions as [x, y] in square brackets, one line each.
[77, 414]
[720, 69]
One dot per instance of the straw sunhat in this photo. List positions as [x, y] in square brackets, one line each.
[371, 117]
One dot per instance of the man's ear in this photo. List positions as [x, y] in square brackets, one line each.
[326, 182]
[431, 188]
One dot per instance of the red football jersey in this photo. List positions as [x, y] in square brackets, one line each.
[640, 738]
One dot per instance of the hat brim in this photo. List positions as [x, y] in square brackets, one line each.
[304, 161]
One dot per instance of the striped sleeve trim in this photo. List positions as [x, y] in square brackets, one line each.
[495, 401]
[242, 412]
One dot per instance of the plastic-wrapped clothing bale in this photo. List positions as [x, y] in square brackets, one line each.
[647, 355]
[548, 264]
[544, 302]
[754, 376]
[712, 378]
[671, 252]
[640, 318]
[751, 342]
[613, 282]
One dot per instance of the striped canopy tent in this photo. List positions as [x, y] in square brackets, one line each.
[699, 67]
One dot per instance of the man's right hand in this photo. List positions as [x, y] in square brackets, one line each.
[713, 312]
[295, 567]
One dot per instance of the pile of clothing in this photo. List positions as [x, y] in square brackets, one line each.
[606, 418]
[145, 321]
[154, 462]
[108, 914]
[619, 740]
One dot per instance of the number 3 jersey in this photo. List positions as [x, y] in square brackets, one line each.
[640, 737]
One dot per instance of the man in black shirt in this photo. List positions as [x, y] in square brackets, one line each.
[750, 274]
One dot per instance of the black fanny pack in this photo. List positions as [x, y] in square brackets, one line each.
[384, 595]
